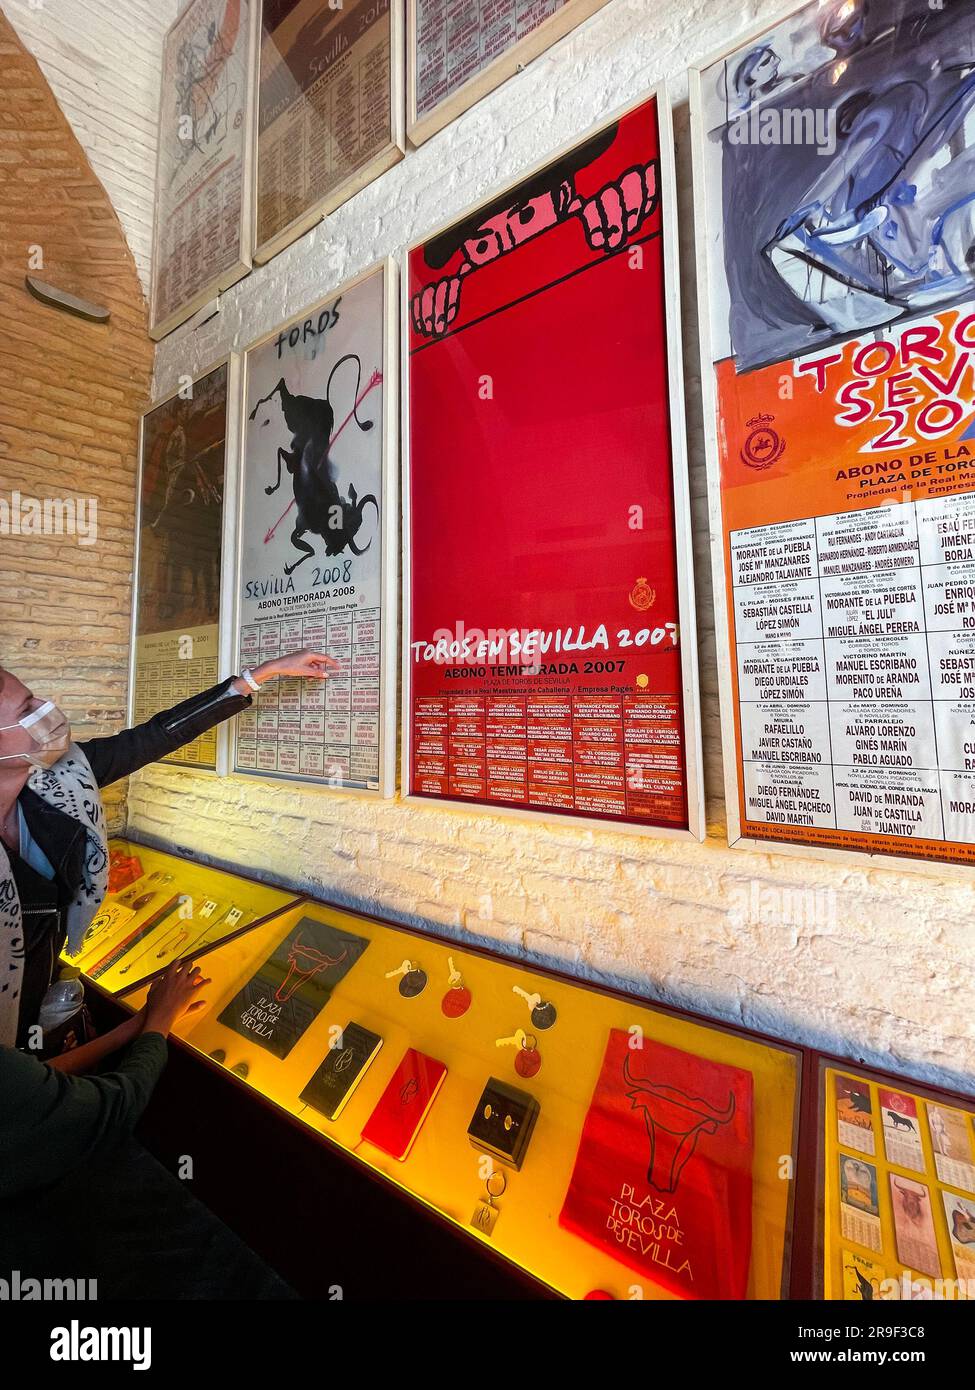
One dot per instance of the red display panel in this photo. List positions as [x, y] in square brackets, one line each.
[545, 669]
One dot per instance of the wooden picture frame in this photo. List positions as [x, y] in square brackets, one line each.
[270, 240]
[219, 89]
[186, 489]
[420, 126]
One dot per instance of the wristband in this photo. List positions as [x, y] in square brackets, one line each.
[247, 675]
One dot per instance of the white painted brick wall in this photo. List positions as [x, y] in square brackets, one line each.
[102, 60]
[883, 970]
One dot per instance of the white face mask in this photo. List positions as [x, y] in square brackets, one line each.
[50, 731]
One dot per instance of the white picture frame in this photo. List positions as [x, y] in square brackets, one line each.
[388, 534]
[708, 241]
[696, 827]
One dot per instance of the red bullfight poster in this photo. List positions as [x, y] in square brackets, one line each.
[663, 1176]
[550, 650]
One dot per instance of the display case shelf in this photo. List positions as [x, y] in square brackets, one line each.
[671, 1155]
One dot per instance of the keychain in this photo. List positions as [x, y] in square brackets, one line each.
[529, 1059]
[457, 1000]
[486, 1213]
[543, 1013]
[414, 979]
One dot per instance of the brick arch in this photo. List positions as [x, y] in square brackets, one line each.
[70, 395]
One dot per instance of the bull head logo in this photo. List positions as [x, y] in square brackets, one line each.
[911, 1201]
[675, 1121]
[304, 962]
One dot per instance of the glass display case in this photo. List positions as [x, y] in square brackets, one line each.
[897, 1184]
[609, 1147]
[160, 907]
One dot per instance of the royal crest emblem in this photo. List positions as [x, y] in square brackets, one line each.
[642, 596]
[763, 445]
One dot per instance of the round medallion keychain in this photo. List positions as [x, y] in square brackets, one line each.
[414, 979]
[457, 1000]
[528, 1059]
[542, 1011]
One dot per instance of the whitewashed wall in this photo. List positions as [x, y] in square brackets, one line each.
[874, 963]
[102, 61]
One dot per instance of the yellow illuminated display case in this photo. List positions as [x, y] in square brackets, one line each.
[474, 1041]
[898, 1180]
[160, 907]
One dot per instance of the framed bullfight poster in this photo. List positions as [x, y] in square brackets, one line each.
[550, 646]
[202, 235]
[329, 110]
[833, 168]
[317, 540]
[182, 637]
[457, 53]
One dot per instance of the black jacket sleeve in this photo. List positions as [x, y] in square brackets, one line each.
[51, 1122]
[120, 754]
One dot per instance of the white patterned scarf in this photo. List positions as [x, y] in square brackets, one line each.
[68, 786]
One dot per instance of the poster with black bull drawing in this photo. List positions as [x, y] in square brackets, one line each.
[835, 156]
[313, 557]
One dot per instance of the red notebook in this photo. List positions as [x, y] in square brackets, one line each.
[663, 1176]
[403, 1106]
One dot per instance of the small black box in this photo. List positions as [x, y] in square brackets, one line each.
[503, 1122]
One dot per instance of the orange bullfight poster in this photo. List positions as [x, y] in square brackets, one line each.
[834, 159]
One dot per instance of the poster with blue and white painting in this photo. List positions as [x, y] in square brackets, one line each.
[843, 143]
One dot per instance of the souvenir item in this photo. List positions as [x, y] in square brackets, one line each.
[120, 951]
[293, 985]
[404, 1105]
[863, 1279]
[952, 1144]
[859, 1203]
[413, 980]
[347, 1061]
[917, 1244]
[854, 1115]
[123, 869]
[543, 1013]
[457, 1000]
[487, 1211]
[902, 1130]
[663, 1176]
[960, 1215]
[503, 1123]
